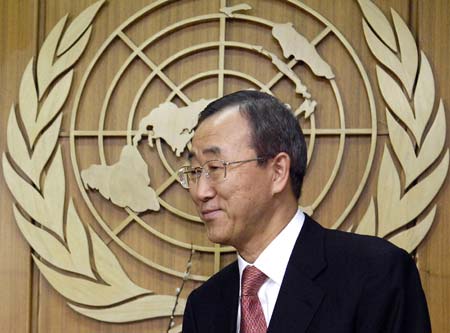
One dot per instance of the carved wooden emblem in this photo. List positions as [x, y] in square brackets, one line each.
[80, 265]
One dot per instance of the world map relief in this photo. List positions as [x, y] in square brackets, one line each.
[127, 182]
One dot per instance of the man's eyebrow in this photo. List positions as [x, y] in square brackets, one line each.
[214, 150]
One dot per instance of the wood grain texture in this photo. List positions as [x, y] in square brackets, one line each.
[433, 26]
[17, 45]
[52, 314]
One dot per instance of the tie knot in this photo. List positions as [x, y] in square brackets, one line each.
[252, 280]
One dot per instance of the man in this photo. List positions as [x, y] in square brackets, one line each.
[248, 159]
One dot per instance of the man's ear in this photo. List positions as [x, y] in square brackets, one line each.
[281, 165]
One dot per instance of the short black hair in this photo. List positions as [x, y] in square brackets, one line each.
[274, 129]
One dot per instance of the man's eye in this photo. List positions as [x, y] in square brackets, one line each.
[194, 173]
[215, 167]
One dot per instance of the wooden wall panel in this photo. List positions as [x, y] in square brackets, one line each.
[17, 46]
[433, 28]
[31, 304]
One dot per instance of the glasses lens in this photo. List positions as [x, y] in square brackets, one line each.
[183, 177]
[188, 176]
[194, 174]
[215, 170]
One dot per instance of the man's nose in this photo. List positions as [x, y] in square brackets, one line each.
[203, 191]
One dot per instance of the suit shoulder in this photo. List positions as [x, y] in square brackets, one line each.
[216, 282]
[361, 245]
[359, 258]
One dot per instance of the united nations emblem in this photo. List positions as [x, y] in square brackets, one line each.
[124, 159]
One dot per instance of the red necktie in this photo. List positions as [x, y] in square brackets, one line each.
[252, 316]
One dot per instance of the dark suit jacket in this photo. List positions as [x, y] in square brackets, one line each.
[335, 282]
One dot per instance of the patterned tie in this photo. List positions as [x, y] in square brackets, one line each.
[252, 316]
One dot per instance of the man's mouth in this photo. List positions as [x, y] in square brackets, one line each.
[210, 214]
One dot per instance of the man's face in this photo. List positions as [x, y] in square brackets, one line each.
[236, 208]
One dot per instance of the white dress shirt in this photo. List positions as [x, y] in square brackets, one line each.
[273, 262]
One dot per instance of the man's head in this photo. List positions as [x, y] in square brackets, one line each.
[246, 149]
[274, 129]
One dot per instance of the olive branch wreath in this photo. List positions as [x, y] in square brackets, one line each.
[98, 287]
[402, 199]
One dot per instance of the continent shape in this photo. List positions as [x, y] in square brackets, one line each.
[172, 124]
[229, 11]
[125, 183]
[293, 43]
[300, 88]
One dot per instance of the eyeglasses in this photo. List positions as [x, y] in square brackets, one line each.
[214, 171]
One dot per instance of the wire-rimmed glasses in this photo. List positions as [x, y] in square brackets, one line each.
[214, 171]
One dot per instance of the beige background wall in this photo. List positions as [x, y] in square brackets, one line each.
[29, 304]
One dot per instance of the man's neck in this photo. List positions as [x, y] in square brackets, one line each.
[253, 247]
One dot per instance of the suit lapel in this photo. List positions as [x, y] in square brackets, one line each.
[226, 314]
[300, 297]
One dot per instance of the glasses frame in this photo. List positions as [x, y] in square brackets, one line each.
[181, 173]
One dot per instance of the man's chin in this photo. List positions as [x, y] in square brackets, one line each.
[216, 235]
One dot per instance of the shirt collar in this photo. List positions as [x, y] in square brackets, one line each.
[275, 257]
